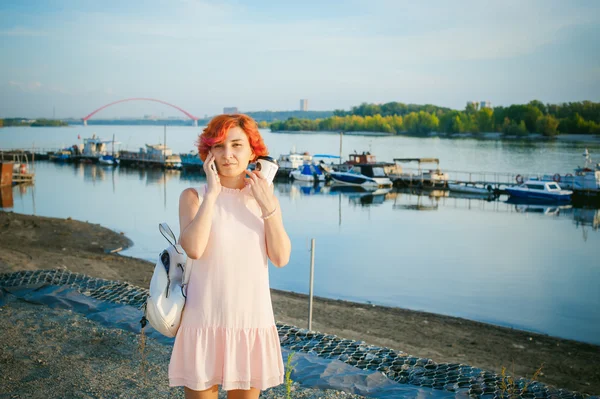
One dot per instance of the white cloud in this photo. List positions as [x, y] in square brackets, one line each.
[29, 86]
[251, 55]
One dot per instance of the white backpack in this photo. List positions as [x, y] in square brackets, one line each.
[168, 287]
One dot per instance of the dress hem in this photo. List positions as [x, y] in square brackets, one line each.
[260, 384]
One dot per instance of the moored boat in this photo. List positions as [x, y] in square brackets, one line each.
[60, 156]
[471, 189]
[363, 175]
[540, 190]
[293, 160]
[191, 160]
[308, 172]
[108, 160]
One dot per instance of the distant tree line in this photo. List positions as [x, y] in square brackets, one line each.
[269, 116]
[31, 122]
[515, 120]
[262, 117]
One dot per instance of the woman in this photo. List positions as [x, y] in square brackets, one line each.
[229, 227]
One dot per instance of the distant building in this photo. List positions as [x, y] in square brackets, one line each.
[304, 104]
[230, 110]
[479, 104]
[475, 104]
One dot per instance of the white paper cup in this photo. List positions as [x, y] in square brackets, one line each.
[267, 166]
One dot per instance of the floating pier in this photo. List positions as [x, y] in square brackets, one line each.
[16, 168]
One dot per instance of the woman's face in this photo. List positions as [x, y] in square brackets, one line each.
[233, 155]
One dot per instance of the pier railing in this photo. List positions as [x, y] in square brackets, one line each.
[480, 178]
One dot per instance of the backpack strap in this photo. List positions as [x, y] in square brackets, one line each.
[166, 232]
[187, 270]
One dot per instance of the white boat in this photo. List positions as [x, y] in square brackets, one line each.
[471, 189]
[293, 160]
[584, 178]
[363, 175]
[308, 172]
[540, 190]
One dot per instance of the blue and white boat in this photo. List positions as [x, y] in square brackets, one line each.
[363, 175]
[61, 156]
[540, 190]
[108, 160]
[191, 160]
[308, 172]
[104, 157]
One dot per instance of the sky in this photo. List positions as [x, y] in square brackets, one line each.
[69, 58]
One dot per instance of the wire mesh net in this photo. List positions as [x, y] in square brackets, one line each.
[396, 365]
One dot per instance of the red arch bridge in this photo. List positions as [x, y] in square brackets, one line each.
[192, 117]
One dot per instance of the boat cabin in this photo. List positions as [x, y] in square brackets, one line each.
[365, 157]
[370, 169]
[157, 151]
[293, 160]
[94, 146]
[541, 185]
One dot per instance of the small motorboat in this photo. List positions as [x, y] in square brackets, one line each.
[363, 175]
[61, 156]
[308, 172]
[540, 190]
[108, 160]
[471, 189]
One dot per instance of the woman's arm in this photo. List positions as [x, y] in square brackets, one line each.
[196, 212]
[279, 246]
[278, 242]
[195, 220]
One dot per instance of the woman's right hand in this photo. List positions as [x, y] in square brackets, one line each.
[212, 176]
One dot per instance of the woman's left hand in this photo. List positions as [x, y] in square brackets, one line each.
[262, 191]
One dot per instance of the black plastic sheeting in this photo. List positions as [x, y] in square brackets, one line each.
[309, 369]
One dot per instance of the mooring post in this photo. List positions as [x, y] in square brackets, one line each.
[310, 288]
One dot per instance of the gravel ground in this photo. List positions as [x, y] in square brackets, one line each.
[32, 242]
[57, 353]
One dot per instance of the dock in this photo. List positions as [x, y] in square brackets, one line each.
[16, 167]
[427, 174]
[130, 158]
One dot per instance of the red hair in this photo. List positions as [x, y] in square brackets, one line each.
[216, 132]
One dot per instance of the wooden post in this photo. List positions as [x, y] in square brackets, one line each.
[310, 289]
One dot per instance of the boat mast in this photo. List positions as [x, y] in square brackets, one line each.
[341, 135]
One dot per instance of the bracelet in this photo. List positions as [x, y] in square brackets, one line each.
[270, 214]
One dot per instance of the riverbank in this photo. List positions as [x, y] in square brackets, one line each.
[30, 243]
[576, 138]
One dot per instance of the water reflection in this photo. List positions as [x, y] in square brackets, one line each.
[134, 201]
[413, 199]
[418, 200]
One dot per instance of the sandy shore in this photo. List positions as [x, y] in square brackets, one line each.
[30, 242]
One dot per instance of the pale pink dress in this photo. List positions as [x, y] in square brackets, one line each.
[228, 334]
